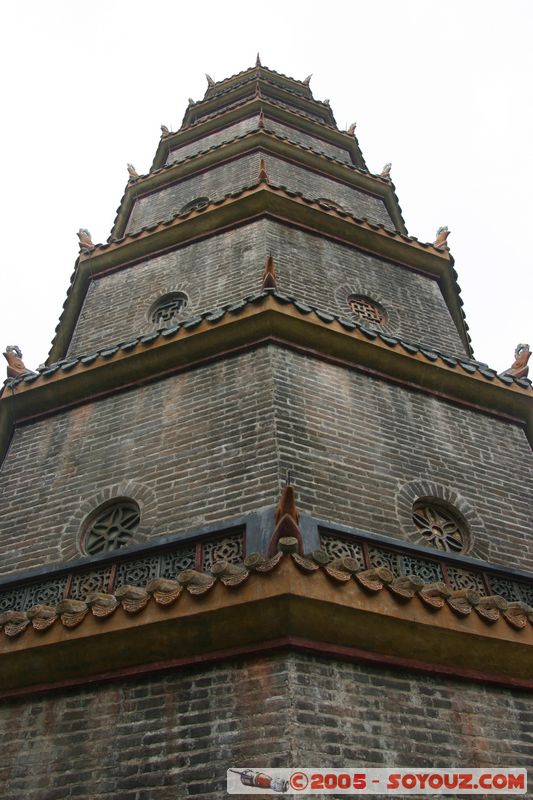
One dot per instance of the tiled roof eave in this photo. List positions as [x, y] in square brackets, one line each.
[267, 317]
[288, 600]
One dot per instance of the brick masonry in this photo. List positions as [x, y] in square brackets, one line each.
[228, 267]
[215, 442]
[174, 736]
[242, 172]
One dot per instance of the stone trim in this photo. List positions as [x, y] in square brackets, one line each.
[476, 545]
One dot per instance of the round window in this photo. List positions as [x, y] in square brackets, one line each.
[167, 308]
[366, 309]
[111, 526]
[195, 205]
[440, 526]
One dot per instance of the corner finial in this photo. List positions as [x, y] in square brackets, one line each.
[442, 235]
[261, 122]
[519, 367]
[164, 131]
[86, 243]
[351, 129]
[287, 520]
[385, 172]
[263, 177]
[210, 81]
[269, 275]
[307, 80]
[15, 364]
[132, 172]
[258, 61]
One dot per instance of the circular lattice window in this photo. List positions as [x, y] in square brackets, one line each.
[167, 308]
[111, 526]
[195, 205]
[440, 526]
[332, 205]
[366, 309]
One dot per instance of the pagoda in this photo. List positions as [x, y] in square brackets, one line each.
[261, 506]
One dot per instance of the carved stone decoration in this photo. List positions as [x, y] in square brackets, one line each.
[15, 364]
[101, 604]
[257, 562]
[517, 614]
[86, 242]
[226, 548]
[519, 368]
[489, 608]
[435, 594]
[351, 129]
[72, 612]
[385, 172]
[341, 569]
[132, 598]
[305, 563]
[164, 131]
[164, 591]
[269, 274]
[287, 519]
[441, 237]
[230, 575]
[132, 172]
[195, 582]
[406, 586]
[374, 579]
[462, 601]
[42, 616]
[14, 622]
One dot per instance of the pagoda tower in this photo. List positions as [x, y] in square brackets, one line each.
[261, 506]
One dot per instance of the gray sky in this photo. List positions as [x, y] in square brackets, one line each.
[443, 90]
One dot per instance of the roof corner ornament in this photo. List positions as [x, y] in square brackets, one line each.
[519, 367]
[326, 101]
[263, 177]
[258, 61]
[351, 129]
[86, 242]
[164, 131]
[132, 172]
[442, 235]
[269, 274]
[258, 90]
[261, 122]
[385, 172]
[307, 80]
[210, 81]
[287, 519]
[15, 364]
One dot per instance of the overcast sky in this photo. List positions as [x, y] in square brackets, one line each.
[443, 90]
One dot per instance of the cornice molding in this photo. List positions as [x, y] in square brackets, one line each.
[288, 601]
[268, 318]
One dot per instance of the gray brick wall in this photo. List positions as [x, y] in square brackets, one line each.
[201, 441]
[242, 172]
[217, 441]
[228, 267]
[353, 441]
[175, 736]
